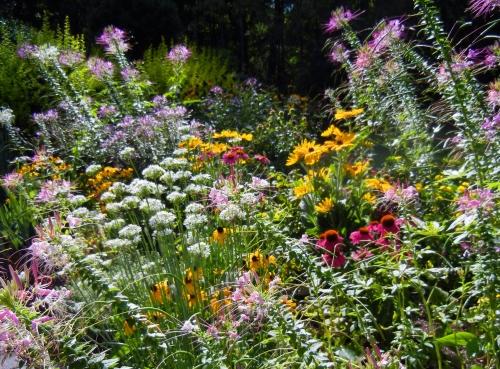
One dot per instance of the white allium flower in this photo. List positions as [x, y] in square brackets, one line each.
[168, 177]
[231, 212]
[77, 200]
[162, 233]
[117, 243]
[172, 163]
[161, 220]
[130, 231]
[130, 202]
[93, 169]
[114, 207]
[151, 205]
[202, 178]
[153, 172]
[114, 224]
[143, 188]
[248, 199]
[201, 248]
[6, 116]
[176, 196]
[127, 153]
[194, 207]
[180, 152]
[118, 188]
[182, 175]
[108, 196]
[81, 212]
[194, 189]
[194, 220]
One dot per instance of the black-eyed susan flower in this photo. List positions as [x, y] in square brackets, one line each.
[160, 292]
[219, 235]
[301, 150]
[255, 260]
[357, 168]
[128, 327]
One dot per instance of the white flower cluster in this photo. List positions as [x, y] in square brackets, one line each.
[174, 163]
[143, 188]
[200, 248]
[193, 208]
[130, 231]
[92, 169]
[231, 213]
[176, 196]
[162, 220]
[151, 205]
[153, 172]
[193, 221]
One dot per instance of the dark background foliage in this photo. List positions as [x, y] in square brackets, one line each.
[278, 41]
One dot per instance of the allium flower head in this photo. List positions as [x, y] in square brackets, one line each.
[338, 19]
[114, 40]
[483, 7]
[179, 54]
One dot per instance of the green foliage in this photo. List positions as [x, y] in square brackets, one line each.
[204, 69]
[16, 220]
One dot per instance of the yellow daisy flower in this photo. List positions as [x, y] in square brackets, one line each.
[324, 206]
[346, 114]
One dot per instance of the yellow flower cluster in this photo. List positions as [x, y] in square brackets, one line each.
[43, 166]
[306, 184]
[233, 135]
[357, 168]
[105, 178]
[347, 114]
[194, 295]
[311, 152]
[324, 206]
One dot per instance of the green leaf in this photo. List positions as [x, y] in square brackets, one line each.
[458, 339]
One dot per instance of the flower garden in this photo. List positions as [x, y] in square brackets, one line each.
[141, 229]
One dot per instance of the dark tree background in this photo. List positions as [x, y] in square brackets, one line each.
[278, 41]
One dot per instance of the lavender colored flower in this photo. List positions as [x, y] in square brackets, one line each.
[338, 19]
[494, 95]
[491, 126]
[216, 90]
[70, 58]
[106, 111]
[382, 38]
[114, 40]
[179, 54]
[129, 73]
[50, 189]
[473, 200]
[100, 68]
[27, 51]
[364, 58]
[11, 180]
[7, 314]
[251, 82]
[50, 116]
[483, 7]
[338, 53]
